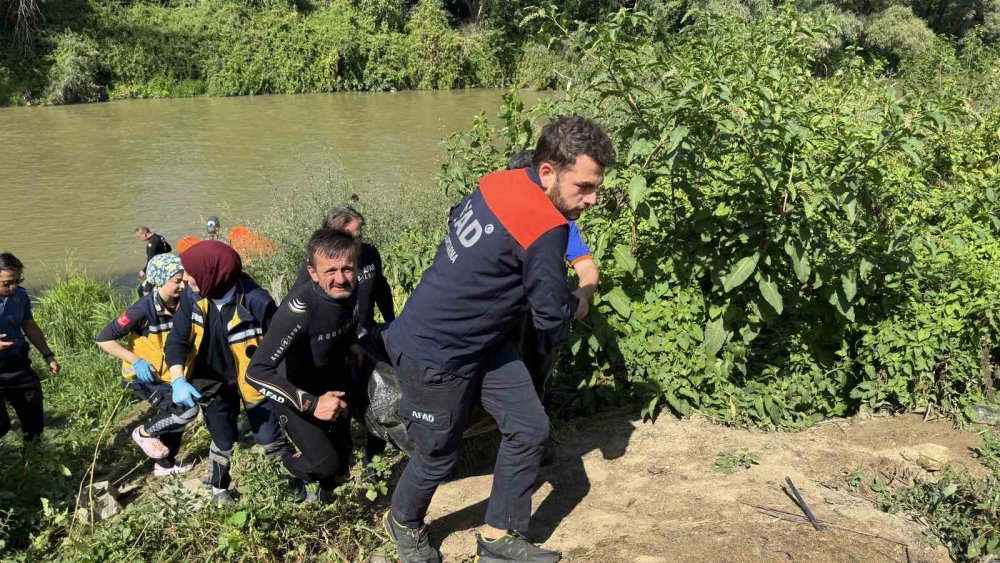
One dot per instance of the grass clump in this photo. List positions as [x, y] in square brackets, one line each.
[728, 462]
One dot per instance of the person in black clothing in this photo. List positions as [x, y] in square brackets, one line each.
[301, 365]
[155, 244]
[456, 338]
[372, 289]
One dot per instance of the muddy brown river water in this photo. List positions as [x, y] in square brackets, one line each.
[76, 180]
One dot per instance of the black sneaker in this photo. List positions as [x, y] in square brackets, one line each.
[411, 545]
[512, 547]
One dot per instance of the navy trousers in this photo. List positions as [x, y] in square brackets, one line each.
[434, 408]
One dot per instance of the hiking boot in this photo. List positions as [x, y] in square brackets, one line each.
[176, 469]
[149, 445]
[222, 497]
[411, 545]
[512, 546]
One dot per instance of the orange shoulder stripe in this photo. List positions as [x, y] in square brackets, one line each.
[520, 205]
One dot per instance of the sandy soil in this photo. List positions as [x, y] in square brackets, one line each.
[625, 490]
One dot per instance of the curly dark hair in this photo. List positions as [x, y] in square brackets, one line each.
[570, 136]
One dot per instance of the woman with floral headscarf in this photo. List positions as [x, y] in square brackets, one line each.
[219, 324]
[146, 325]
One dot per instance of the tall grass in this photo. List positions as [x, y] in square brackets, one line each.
[41, 480]
[75, 308]
[404, 222]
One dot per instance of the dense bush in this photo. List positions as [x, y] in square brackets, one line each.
[234, 47]
[226, 47]
[74, 75]
[776, 248]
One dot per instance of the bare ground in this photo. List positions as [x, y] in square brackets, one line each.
[624, 490]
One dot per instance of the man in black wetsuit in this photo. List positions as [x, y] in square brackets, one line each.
[372, 289]
[155, 244]
[301, 365]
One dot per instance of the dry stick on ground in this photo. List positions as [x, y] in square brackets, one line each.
[800, 519]
[802, 503]
[130, 471]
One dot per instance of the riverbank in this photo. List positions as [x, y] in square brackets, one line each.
[93, 50]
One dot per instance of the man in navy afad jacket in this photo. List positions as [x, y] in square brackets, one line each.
[501, 258]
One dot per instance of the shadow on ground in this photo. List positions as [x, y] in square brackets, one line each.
[567, 475]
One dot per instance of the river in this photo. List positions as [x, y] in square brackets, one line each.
[75, 181]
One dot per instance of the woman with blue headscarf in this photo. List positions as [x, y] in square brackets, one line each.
[145, 326]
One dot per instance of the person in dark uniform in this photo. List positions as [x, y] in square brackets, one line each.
[578, 253]
[19, 384]
[155, 244]
[372, 290]
[580, 258]
[501, 257]
[146, 325]
[301, 365]
[220, 321]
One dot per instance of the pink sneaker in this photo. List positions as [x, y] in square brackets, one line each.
[149, 445]
[177, 469]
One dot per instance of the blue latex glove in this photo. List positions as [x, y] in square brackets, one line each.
[143, 370]
[184, 393]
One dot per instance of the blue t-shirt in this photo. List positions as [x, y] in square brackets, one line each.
[14, 310]
[576, 249]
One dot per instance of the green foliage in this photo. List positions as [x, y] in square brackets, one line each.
[897, 33]
[776, 248]
[404, 223]
[729, 462]
[855, 477]
[435, 60]
[75, 308]
[74, 71]
[960, 509]
[264, 525]
[988, 453]
[385, 15]
[230, 47]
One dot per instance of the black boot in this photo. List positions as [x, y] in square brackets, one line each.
[411, 545]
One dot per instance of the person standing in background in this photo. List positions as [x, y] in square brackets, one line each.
[155, 244]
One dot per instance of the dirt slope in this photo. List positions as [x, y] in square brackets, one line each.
[623, 490]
